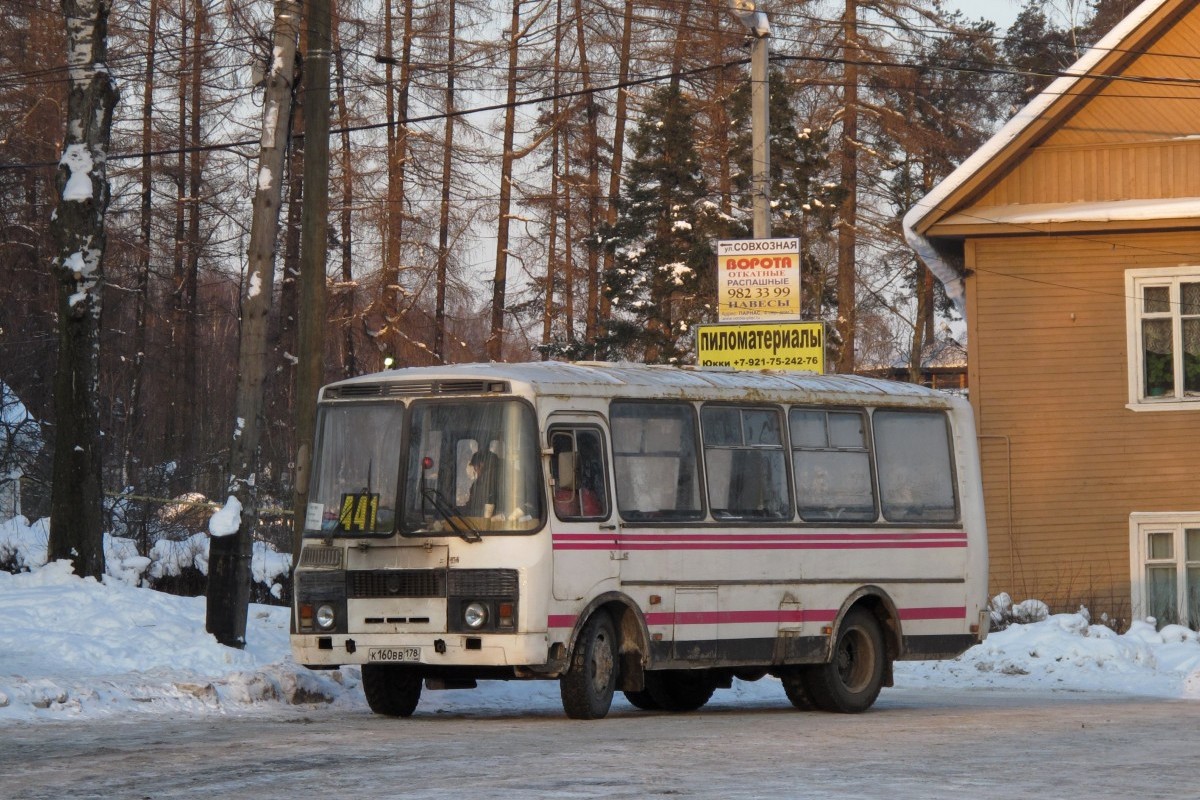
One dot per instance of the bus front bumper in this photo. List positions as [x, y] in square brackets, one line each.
[326, 651]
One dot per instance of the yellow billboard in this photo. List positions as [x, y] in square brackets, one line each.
[773, 345]
[758, 280]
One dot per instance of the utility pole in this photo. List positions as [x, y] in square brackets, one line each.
[313, 247]
[760, 107]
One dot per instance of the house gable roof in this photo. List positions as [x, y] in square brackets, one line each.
[1153, 55]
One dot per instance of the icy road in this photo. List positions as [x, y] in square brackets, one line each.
[915, 743]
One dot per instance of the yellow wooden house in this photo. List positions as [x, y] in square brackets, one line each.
[1071, 241]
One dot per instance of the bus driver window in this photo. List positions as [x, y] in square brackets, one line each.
[577, 469]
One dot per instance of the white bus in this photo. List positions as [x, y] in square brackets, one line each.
[653, 530]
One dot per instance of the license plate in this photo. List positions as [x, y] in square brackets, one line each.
[393, 654]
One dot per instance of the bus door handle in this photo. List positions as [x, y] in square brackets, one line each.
[614, 555]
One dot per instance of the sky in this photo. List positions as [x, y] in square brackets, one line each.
[78, 649]
[1002, 12]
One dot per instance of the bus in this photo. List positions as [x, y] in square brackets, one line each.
[653, 530]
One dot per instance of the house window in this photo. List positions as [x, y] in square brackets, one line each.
[1163, 319]
[1165, 566]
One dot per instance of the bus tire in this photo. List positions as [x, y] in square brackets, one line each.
[642, 699]
[591, 678]
[680, 690]
[392, 690]
[795, 686]
[850, 682]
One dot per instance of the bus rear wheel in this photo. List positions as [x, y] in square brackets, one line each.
[588, 684]
[392, 690]
[680, 689]
[850, 682]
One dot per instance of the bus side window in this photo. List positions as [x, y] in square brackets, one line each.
[745, 463]
[656, 461]
[580, 488]
[831, 461]
[916, 467]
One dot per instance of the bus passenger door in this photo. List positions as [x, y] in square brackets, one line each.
[587, 548]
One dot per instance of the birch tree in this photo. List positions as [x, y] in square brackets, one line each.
[76, 530]
[229, 554]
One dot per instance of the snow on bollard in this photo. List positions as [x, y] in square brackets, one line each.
[226, 520]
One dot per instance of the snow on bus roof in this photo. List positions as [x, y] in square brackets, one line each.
[555, 377]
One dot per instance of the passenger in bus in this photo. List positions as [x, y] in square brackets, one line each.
[484, 472]
[584, 503]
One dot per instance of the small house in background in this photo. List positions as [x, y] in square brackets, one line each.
[943, 366]
[1072, 242]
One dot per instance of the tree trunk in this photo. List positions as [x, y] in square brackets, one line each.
[618, 152]
[443, 257]
[134, 414]
[178, 388]
[388, 314]
[191, 293]
[848, 226]
[495, 342]
[552, 200]
[76, 514]
[313, 236]
[592, 141]
[229, 556]
[348, 293]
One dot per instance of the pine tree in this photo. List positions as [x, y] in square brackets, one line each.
[662, 282]
[804, 191]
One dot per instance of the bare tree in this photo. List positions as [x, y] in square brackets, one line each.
[76, 530]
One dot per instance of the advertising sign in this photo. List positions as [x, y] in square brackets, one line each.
[779, 345]
[758, 279]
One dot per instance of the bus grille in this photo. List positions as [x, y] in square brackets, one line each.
[365, 584]
[484, 582]
[321, 557]
[396, 583]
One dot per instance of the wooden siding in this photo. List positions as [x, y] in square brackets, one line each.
[1159, 170]
[1065, 462]
[1135, 138]
[1155, 97]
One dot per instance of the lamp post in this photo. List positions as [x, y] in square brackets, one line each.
[760, 181]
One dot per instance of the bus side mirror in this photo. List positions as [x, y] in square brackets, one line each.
[565, 470]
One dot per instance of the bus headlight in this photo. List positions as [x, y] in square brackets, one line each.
[475, 615]
[325, 617]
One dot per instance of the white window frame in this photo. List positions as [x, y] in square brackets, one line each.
[1143, 523]
[1136, 281]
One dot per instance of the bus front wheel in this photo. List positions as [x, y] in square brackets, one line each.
[850, 682]
[588, 684]
[392, 690]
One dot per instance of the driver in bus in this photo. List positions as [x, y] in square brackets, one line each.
[484, 472]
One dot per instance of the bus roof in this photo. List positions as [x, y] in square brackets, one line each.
[650, 381]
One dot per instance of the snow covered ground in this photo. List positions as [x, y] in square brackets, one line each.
[73, 648]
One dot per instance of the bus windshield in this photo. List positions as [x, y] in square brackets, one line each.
[475, 464]
[356, 470]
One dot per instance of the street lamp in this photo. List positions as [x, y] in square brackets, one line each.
[760, 180]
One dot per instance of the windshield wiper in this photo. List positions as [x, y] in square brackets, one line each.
[450, 514]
